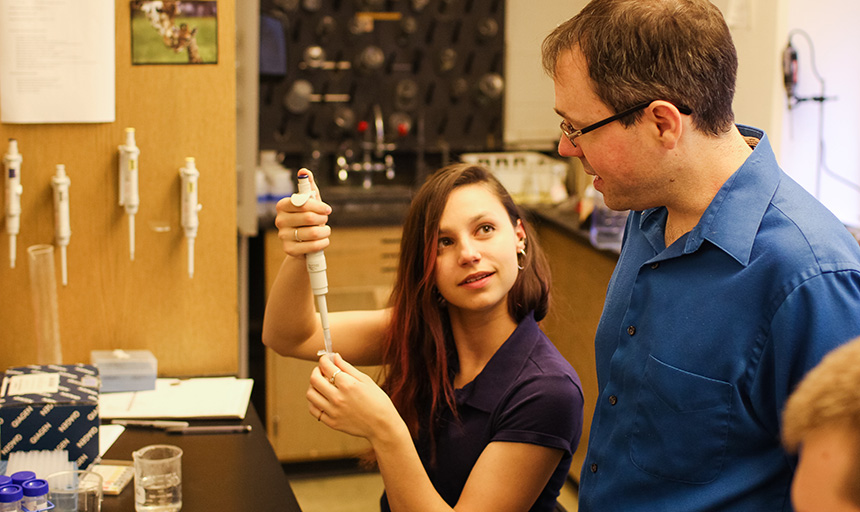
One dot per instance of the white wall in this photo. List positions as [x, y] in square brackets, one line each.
[832, 28]
[530, 121]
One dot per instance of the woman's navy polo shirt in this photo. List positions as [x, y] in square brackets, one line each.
[527, 393]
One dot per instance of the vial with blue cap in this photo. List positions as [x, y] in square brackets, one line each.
[18, 478]
[35, 495]
[10, 498]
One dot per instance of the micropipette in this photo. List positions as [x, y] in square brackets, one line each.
[12, 161]
[190, 207]
[62, 224]
[129, 196]
[316, 266]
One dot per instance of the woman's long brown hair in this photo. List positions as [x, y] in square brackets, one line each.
[418, 347]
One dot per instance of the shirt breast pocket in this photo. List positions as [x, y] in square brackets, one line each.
[681, 425]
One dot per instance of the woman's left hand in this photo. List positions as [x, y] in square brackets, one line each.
[348, 400]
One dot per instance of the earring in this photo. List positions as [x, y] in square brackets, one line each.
[523, 254]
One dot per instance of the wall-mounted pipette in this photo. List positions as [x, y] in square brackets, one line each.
[62, 223]
[12, 161]
[316, 265]
[129, 196]
[190, 207]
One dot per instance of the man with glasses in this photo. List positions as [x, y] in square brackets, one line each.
[732, 280]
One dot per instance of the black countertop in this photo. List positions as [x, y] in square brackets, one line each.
[220, 472]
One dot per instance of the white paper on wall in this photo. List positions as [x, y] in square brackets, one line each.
[57, 61]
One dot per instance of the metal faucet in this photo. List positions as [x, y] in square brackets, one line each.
[373, 151]
[379, 148]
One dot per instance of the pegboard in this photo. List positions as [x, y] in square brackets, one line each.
[430, 70]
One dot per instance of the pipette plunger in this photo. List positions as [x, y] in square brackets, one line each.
[62, 223]
[316, 266]
[12, 161]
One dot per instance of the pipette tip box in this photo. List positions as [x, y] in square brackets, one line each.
[51, 407]
[125, 370]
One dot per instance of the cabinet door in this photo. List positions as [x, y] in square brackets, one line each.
[361, 265]
[580, 275]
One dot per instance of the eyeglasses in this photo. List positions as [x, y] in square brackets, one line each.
[568, 130]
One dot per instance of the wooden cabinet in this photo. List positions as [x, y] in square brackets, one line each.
[362, 263]
[580, 275]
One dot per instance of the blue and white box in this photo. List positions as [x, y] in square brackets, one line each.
[51, 407]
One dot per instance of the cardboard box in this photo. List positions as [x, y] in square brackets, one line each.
[51, 407]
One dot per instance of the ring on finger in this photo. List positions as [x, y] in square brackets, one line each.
[296, 236]
[333, 375]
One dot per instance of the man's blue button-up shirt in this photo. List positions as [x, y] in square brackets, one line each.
[701, 343]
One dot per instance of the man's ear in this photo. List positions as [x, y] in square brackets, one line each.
[667, 120]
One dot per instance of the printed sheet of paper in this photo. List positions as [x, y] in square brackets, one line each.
[57, 61]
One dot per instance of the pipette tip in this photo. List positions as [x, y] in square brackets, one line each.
[13, 251]
[131, 236]
[190, 258]
[65, 268]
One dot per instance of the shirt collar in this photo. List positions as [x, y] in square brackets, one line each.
[485, 391]
[732, 219]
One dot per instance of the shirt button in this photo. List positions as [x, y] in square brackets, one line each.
[613, 399]
[594, 468]
[655, 266]
[631, 330]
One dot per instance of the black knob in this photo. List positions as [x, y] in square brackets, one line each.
[326, 28]
[370, 59]
[447, 60]
[405, 93]
[490, 88]
[488, 28]
[313, 57]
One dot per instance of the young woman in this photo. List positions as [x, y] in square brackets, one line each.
[478, 410]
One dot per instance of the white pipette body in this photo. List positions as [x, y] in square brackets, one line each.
[62, 221]
[190, 207]
[316, 266]
[12, 160]
[129, 194]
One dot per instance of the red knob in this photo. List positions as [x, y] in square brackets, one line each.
[403, 129]
[362, 126]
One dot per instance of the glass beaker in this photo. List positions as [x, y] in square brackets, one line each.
[43, 288]
[158, 478]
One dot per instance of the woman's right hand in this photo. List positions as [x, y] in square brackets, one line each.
[302, 229]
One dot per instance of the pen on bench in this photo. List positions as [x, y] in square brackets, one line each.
[217, 429]
[159, 424]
